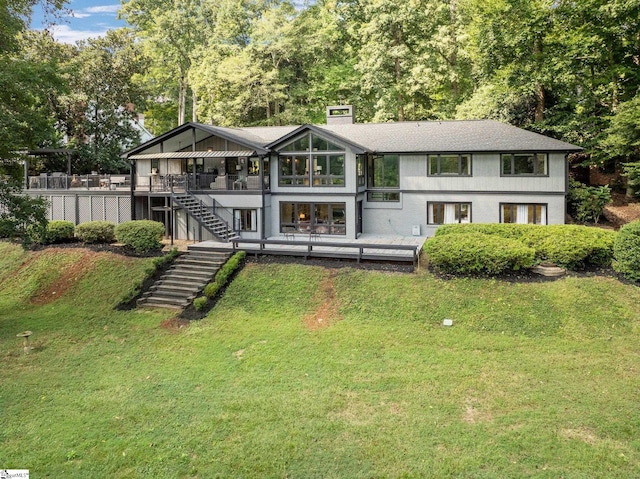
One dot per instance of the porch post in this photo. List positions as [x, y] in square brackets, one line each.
[132, 174]
[25, 164]
[263, 221]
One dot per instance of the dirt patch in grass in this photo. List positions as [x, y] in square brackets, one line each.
[174, 325]
[581, 434]
[327, 313]
[69, 276]
[472, 414]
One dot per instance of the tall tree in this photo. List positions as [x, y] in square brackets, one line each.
[98, 114]
[25, 118]
[410, 57]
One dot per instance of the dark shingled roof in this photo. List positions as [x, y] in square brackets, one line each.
[461, 136]
[426, 136]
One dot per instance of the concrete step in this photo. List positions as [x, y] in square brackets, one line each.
[180, 280]
[179, 288]
[199, 260]
[193, 271]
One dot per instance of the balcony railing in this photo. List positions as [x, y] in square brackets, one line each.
[201, 182]
[61, 181]
[152, 183]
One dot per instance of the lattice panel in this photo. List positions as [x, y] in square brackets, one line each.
[84, 209]
[124, 208]
[97, 208]
[70, 208]
[57, 207]
[111, 207]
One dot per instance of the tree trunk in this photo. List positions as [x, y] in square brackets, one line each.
[540, 95]
[397, 41]
[194, 105]
[182, 100]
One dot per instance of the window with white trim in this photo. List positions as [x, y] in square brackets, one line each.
[520, 213]
[448, 213]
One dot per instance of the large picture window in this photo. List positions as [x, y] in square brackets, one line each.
[449, 165]
[316, 218]
[384, 171]
[524, 164]
[447, 213]
[311, 160]
[535, 214]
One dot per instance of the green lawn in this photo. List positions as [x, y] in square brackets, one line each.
[303, 372]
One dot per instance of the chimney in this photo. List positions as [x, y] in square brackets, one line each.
[340, 115]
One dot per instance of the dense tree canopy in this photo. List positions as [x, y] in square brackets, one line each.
[564, 68]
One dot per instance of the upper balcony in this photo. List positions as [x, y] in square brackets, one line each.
[154, 183]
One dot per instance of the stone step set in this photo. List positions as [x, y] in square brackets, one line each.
[184, 280]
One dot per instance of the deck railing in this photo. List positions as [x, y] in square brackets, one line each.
[62, 181]
[152, 183]
[325, 249]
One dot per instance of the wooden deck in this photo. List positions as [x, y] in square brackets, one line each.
[400, 249]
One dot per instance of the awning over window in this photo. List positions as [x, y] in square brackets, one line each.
[176, 155]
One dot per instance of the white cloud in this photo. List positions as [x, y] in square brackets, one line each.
[64, 34]
[103, 9]
[79, 15]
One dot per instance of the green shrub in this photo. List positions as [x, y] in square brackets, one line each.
[96, 232]
[7, 228]
[626, 251]
[200, 302]
[587, 202]
[477, 253]
[211, 289]
[504, 230]
[158, 264]
[570, 246]
[223, 274]
[59, 231]
[142, 236]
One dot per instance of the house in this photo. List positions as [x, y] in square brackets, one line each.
[344, 179]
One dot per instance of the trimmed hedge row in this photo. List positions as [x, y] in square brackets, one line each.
[626, 251]
[222, 276]
[570, 246]
[477, 253]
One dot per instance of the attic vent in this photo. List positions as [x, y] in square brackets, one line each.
[340, 114]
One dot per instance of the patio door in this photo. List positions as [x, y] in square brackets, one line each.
[358, 218]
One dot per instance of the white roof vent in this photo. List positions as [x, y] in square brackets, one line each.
[340, 115]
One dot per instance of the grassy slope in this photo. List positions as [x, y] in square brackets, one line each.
[533, 380]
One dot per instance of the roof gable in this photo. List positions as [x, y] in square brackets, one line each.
[321, 132]
[190, 133]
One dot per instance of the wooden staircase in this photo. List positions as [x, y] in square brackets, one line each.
[186, 278]
[205, 216]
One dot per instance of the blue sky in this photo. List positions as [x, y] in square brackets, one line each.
[84, 19]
